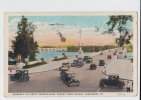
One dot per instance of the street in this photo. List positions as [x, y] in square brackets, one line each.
[49, 81]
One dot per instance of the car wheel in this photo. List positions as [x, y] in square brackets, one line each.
[120, 86]
[20, 79]
[26, 78]
[102, 84]
[11, 78]
[68, 85]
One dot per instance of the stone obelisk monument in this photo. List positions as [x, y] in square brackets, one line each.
[80, 51]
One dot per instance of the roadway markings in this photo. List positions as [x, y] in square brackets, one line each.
[105, 69]
[98, 90]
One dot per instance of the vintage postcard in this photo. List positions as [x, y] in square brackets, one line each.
[70, 54]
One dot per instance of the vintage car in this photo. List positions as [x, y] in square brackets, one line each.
[68, 78]
[101, 62]
[93, 66]
[20, 75]
[65, 66]
[101, 53]
[85, 58]
[89, 60]
[112, 80]
[109, 56]
[77, 63]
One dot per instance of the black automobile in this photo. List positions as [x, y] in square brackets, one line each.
[20, 75]
[112, 80]
[93, 66]
[109, 56]
[101, 62]
[77, 63]
[85, 58]
[68, 78]
[101, 53]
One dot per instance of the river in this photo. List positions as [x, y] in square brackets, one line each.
[47, 55]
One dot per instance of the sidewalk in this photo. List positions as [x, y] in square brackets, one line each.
[121, 66]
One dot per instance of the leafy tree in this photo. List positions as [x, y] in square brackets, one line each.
[121, 21]
[24, 41]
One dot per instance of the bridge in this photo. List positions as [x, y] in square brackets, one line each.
[46, 49]
[51, 49]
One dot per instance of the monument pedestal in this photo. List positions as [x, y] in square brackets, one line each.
[19, 65]
[122, 54]
[80, 54]
[101, 53]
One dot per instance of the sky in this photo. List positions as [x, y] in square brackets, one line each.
[46, 34]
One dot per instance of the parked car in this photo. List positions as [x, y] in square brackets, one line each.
[112, 80]
[65, 66]
[101, 53]
[93, 66]
[89, 60]
[68, 78]
[109, 56]
[20, 75]
[85, 58]
[101, 62]
[77, 63]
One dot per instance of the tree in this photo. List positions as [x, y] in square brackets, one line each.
[24, 41]
[121, 21]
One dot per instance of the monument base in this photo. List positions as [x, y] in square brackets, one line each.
[101, 53]
[19, 65]
[80, 54]
[122, 54]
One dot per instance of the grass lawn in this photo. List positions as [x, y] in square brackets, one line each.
[58, 59]
[34, 65]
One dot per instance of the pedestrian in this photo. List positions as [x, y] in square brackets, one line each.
[132, 86]
[128, 86]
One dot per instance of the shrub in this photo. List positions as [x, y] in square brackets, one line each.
[42, 59]
[34, 65]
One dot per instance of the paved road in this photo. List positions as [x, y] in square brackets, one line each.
[49, 81]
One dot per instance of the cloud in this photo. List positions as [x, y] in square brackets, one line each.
[47, 34]
[12, 25]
